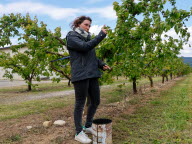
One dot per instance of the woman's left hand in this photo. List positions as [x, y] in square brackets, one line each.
[106, 67]
[104, 29]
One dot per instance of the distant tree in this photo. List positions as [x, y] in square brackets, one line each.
[33, 62]
[60, 64]
[137, 42]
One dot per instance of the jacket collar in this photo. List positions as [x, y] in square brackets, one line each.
[83, 33]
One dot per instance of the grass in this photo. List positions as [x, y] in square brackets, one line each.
[42, 87]
[13, 139]
[113, 94]
[167, 119]
[32, 107]
[123, 89]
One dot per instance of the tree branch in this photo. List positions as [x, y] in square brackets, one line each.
[60, 71]
[60, 40]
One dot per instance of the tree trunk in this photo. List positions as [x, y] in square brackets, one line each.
[134, 85]
[163, 79]
[69, 82]
[29, 84]
[29, 87]
[151, 80]
[171, 76]
[167, 79]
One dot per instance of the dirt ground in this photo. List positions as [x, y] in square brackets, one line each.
[65, 135]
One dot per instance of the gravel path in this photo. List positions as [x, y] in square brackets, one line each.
[23, 98]
[8, 83]
[28, 97]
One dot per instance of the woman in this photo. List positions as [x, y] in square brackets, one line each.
[85, 72]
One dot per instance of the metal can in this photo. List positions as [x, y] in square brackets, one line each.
[102, 131]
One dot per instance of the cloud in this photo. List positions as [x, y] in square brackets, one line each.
[54, 12]
[186, 51]
[106, 12]
[94, 1]
[136, 1]
[38, 8]
[64, 33]
[14, 41]
[95, 29]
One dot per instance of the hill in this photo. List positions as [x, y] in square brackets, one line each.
[187, 60]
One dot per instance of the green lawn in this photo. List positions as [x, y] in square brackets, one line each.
[166, 119]
[38, 106]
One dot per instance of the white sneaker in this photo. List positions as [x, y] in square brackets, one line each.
[83, 138]
[88, 130]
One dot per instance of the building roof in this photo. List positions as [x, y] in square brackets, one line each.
[2, 48]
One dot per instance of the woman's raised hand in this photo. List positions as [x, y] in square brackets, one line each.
[104, 29]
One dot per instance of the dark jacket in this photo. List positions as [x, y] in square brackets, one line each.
[84, 63]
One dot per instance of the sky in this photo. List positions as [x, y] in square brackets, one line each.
[60, 13]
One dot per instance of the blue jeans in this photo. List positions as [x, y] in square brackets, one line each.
[83, 89]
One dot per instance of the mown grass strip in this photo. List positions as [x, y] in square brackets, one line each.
[111, 95]
[32, 107]
[41, 87]
[165, 119]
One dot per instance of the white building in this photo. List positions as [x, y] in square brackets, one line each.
[8, 50]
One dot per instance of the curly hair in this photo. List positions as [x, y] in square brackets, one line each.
[79, 20]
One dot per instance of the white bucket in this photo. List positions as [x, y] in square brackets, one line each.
[102, 131]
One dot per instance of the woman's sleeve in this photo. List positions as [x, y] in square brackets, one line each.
[100, 64]
[76, 43]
